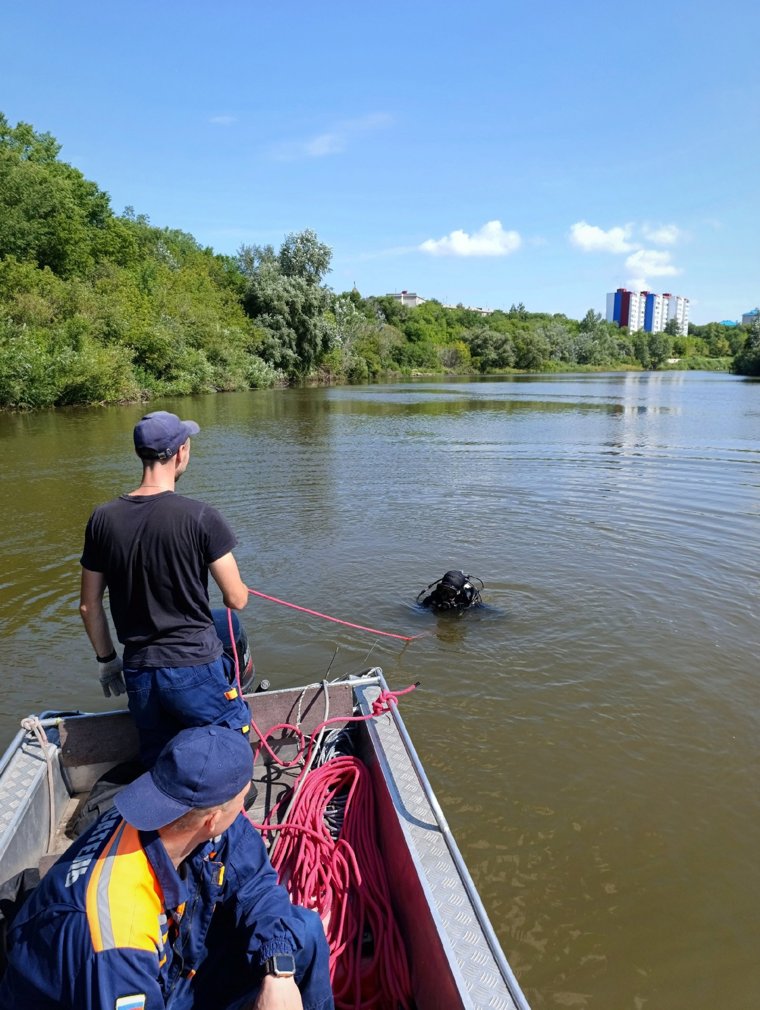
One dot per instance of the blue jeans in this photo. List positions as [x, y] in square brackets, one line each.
[226, 981]
[165, 699]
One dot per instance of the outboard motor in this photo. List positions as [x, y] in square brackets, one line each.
[453, 591]
[245, 658]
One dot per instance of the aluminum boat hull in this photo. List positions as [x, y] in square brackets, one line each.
[455, 958]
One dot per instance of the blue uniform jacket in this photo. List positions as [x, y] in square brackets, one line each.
[113, 925]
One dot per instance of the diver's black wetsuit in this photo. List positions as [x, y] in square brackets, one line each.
[454, 591]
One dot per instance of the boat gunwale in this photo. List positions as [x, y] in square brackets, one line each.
[481, 916]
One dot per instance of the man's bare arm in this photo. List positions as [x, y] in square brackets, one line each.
[93, 612]
[226, 575]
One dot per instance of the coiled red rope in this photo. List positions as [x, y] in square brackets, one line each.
[344, 880]
[346, 883]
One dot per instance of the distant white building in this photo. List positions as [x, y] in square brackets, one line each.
[471, 308]
[645, 310]
[408, 298]
[676, 307]
[412, 300]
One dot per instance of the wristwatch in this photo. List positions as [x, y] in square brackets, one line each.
[280, 965]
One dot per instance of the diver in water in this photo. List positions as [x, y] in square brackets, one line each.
[453, 591]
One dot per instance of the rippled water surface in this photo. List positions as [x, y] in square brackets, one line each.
[592, 733]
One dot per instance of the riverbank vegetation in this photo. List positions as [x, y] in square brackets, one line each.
[99, 307]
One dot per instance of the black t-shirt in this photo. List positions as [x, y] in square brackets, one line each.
[154, 552]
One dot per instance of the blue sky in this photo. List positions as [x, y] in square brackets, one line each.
[483, 153]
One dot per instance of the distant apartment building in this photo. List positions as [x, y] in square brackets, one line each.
[749, 317]
[407, 298]
[644, 310]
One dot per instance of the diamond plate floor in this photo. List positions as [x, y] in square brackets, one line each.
[26, 766]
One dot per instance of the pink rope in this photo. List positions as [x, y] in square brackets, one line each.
[346, 883]
[326, 617]
[344, 880]
[234, 652]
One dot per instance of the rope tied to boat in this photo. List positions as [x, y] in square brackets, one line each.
[382, 704]
[32, 724]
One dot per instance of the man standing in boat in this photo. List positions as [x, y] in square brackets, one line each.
[153, 550]
[169, 902]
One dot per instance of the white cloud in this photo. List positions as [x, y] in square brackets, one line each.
[649, 263]
[332, 141]
[653, 263]
[590, 238]
[663, 234]
[643, 262]
[637, 284]
[490, 240]
[223, 120]
[324, 143]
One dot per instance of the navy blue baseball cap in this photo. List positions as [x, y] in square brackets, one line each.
[160, 434]
[203, 766]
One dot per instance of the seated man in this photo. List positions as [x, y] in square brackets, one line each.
[169, 902]
[453, 591]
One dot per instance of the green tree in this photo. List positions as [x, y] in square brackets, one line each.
[49, 213]
[489, 349]
[388, 310]
[533, 351]
[660, 348]
[747, 361]
[590, 322]
[563, 344]
[349, 325]
[456, 357]
[285, 297]
[640, 344]
[302, 255]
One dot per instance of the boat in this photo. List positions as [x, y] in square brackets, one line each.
[455, 959]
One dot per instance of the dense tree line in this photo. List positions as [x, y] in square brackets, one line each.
[104, 307]
[98, 307]
[376, 335]
[747, 360]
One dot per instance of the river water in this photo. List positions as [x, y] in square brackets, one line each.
[592, 733]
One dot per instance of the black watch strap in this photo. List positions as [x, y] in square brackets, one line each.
[280, 965]
[107, 659]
